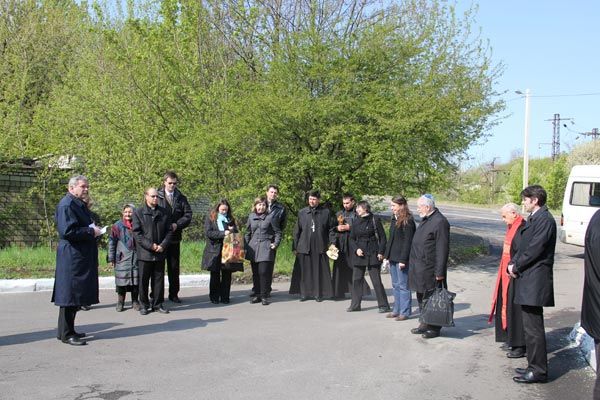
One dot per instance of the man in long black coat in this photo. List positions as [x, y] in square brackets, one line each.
[171, 198]
[428, 260]
[76, 276]
[531, 269]
[152, 233]
[590, 308]
[311, 240]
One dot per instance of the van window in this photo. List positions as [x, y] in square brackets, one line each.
[585, 194]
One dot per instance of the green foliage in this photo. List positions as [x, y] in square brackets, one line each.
[484, 185]
[336, 95]
[584, 154]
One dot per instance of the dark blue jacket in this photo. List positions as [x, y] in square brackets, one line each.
[76, 276]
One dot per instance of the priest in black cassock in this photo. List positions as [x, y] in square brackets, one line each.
[590, 309]
[312, 236]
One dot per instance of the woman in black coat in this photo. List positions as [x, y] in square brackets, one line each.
[367, 242]
[218, 224]
[262, 237]
[397, 251]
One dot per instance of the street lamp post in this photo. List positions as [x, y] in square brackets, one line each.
[526, 140]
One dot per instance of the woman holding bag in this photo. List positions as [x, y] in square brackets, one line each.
[262, 237]
[218, 224]
[367, 242]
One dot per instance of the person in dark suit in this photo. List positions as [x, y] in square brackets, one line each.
[342, 269]
[428, 260]
[531, 268]
[590, 307]
[311, 240]
[262, 237]
[219, 224]
[76, 275]
[152, 234]
[505, 314]
[397, 251]
[367, 245]
[172, 199]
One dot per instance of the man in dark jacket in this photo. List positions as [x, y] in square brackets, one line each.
[152, 232]
[590, 308]
[342, 269]
[311, 240]
[531, 268]
[428, 260]
[76, 276]
[176, 203]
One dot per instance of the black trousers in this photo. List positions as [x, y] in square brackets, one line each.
[262, 276]
[155, 271]
[358, 283]
[66, 322]
[122, 291]
[420, 297]
[173, 256]
[535, 339]
[220, 285]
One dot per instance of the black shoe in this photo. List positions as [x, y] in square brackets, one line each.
[517, 352]
[384, 310]
[418, 331]
[215, 301]
[521, 371]
[530, 377]
[162, 310]
[175, 299]
[225, 301]
[319, 299]
[85, 308]
[352, 309]
[75, 341]
[255, 300]
[303, 298]
[144, 311]
[77, 335]
[430, 334]
[505, 347]
[265, 302]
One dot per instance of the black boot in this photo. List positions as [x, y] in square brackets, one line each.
[121, 303]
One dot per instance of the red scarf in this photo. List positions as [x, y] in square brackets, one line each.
[503, 276]
[128, 224]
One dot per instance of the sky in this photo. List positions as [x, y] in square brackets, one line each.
[552, 48]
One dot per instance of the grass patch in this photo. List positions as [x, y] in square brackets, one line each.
[40, 262]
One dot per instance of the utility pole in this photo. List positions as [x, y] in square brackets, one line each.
[594, 133]
[556, 135]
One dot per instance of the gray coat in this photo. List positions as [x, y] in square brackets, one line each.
[262, 231]
[121, 251]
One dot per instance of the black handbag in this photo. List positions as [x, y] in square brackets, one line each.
[438, 307]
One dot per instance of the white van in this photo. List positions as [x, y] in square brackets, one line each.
[581, 201]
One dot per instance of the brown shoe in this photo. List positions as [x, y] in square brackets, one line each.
[401, 318]
[391, 315]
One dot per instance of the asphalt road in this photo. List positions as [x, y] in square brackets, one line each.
[289, 349]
